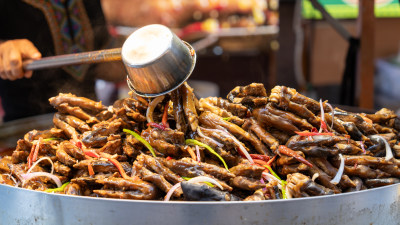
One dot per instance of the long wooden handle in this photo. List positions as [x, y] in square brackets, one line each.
[74, 59]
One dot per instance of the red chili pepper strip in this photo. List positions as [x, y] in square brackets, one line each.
[36, 153]
[116, 164]
[261, 157]
[91, 153]
[164, 120]
[289, 152]
[191, 153]
[90, 169]
[159, 126]
[31, 155]
[324, 126]
[260, 162]
[271, 160]
[308, 133]
[168, 158]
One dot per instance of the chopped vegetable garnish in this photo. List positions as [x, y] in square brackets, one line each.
[26, 177]
[339, 173]
[91, 153]
[171, 191]
[139, 138]
[323, 126]
[159, 126]
[90, 169]
[41, 159]
[289, 152]
[51, 139]
[116, 164]
[198, 153]
[275, 175]
[152, 106]
[271, 160]
[31, 154]
[204, 179]
[261, 157]
[260, 162]
[308, 133]
[164, 120]
[195, 142]
[227, 118]
[206, 182]
[60, 189]
[362, 147]
[191, 153]
[389, 153]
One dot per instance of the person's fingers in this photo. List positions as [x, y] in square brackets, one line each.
[12, 62]
[28, 74]
[28, 50]
[15, 63]
[2, 71]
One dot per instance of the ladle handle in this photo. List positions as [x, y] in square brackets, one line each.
[107, 55]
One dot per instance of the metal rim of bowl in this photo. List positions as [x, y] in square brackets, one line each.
[191, 49]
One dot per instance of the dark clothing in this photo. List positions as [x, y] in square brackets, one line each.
[28, 19]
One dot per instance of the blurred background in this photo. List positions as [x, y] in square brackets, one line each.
[274, 42]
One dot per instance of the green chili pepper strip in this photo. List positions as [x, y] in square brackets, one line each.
[139, 138]
[60, 189]
[227, 118]
[208, 183]
[51, 139]
[284, 193]
[275, 175]
[282, 181]
[195, 142]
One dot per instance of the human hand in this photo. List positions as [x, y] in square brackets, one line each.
[12, 53]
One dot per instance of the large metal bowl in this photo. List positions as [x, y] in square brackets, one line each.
[22, 206]
[374, 206]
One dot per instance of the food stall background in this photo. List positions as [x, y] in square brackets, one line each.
[269, 41]
[303, 51]
[235, 40]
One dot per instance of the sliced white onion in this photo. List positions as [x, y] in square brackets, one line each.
[269, 177]
[333, 113]
[41, 159]
[315, 176]
[171, 191]
[208, 138]
[288, 193]
[362, 146]
[339, 173]
[26, 177]
[200, 179]
[198, 153]
[152, 106]
[237, 142]
[13, 179]
[322, 115]
[389, 154]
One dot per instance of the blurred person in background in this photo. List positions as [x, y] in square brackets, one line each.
[31, 29]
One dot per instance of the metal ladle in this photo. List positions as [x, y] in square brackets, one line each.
[156, 60]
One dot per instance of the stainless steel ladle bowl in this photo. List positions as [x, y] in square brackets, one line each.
[156, 60]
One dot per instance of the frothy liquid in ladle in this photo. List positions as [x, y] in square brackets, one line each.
[146, 44]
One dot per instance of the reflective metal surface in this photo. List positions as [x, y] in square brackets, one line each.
[163, 74]
[375, 206]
